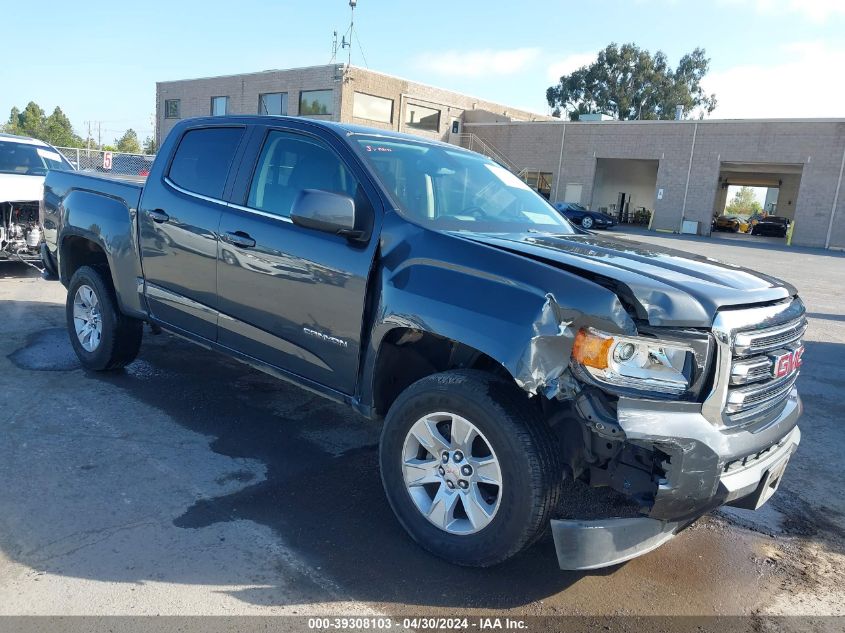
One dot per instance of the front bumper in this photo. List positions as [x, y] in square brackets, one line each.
[707, 466]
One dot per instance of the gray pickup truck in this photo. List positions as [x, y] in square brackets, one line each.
[507, 352]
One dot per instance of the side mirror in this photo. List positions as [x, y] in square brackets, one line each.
[325, 211]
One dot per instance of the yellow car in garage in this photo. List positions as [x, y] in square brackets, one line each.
[726, 223]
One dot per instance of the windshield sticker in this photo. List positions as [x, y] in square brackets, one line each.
[44, 153]
[377, 148]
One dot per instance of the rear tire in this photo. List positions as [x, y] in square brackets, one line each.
[102, 337]
[508, 430]
[587, 222]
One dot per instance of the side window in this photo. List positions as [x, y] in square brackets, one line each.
[290, 163]
[203, 158]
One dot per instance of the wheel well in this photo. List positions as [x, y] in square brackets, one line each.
[406, 355]
[77, 252]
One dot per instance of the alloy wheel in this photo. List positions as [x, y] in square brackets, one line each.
[452, 473]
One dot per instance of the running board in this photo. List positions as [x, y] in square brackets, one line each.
[584, 545]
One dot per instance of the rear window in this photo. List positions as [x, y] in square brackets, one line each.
[203, 158]
[30, 160]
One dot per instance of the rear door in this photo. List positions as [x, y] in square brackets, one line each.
[178, 222]
[290, 296]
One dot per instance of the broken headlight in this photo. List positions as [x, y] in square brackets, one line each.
[633, 364]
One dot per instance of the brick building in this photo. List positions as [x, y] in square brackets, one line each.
[679, 171]
[334, 92]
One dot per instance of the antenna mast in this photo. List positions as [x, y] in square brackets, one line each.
[343, 42]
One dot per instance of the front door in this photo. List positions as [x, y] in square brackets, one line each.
[291, 296]
[178, 222]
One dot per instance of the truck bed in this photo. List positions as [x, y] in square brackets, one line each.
[125, 188]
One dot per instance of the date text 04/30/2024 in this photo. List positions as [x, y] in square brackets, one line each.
[422, 623]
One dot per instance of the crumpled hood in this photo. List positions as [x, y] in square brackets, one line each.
[665, 286]
[21, 188]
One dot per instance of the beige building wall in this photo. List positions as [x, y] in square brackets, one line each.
[689, 155]
[452, 106]
[243, 91]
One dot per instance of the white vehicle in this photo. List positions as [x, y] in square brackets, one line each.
[24, 163]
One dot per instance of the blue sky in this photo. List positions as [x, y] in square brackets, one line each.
[99, 61]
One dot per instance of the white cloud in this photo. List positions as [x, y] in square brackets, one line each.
[478, 63]
[804, 85]
[570, 63]
[814, 10]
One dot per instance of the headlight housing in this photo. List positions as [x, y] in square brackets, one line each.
[637, 365]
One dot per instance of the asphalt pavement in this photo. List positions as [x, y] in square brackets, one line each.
[192, 484]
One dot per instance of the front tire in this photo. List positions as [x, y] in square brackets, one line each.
[587, 222]
[102, 337]
[469, 468]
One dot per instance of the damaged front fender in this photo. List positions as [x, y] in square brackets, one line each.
[521, 313]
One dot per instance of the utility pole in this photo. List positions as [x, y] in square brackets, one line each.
[100, 133]
[89, 137]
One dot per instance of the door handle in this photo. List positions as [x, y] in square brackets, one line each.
[157, 215]
[238, 238]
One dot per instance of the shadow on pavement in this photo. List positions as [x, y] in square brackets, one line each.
[11, 269]
[322, 493]
[327, 502]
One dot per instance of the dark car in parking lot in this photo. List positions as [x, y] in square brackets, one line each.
[772, 226]
[577, 214]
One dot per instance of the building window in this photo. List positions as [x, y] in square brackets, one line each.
[171, 108]
[313, 102]
[422, 118]
[273, 103]
[372, 108]
[219, 106]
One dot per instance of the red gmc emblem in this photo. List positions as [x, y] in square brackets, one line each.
[788, 363]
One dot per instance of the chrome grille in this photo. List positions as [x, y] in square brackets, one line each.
[753, 387]
[749, 344]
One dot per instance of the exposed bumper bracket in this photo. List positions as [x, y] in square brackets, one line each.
[583, 545]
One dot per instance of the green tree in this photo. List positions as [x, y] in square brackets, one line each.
[743, 203]
[29, 122]
[128, 142]
[628, 83]
[55, 129]
[12, 126]
[59, 131]
[150, 145]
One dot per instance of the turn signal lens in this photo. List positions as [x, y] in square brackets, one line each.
[591, 350]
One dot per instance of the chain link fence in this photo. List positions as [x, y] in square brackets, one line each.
[119, 163]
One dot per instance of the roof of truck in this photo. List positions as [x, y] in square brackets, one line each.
[26, 140]
[343, 129]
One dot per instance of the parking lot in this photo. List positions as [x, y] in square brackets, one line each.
[191, 484]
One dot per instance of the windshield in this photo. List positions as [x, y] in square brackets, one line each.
[29, 160]
[455, 190]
